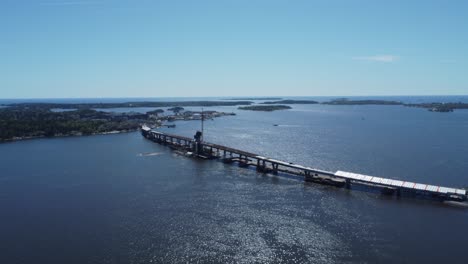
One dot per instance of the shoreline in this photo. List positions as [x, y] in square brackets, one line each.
[22, 123]
[13, 140]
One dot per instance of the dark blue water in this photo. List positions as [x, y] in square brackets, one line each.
[97, 199]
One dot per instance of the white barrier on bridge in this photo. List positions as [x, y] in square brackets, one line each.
[399, 184]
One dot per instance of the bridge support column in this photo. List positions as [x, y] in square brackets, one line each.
[307, 176]
[261, 166]
[275, 167]
[348, 184]
[243, 161]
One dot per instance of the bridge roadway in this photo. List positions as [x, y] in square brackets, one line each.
[272, 165]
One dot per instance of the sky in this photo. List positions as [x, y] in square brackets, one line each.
[138, 48]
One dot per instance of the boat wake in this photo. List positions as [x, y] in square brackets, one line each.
[284, 125]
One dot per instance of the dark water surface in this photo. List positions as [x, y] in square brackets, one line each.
[123, 199]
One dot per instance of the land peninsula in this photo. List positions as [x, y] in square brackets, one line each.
[34, 120]
[127, 104]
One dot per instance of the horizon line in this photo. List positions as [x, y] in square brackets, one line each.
[238, 96]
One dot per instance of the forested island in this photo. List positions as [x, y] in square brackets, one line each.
[265, 108]
[440, 107]
[280, 105]
[345, 101]
[255, 98]
[23, 121]
[291, 102]
[433, 107]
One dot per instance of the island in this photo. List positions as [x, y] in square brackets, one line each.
[255, 98]
[433, 107]
[265, 108]
[345, 101]
[155, 112]
[440, 107]
[291, 102]
[176, 109]
[25, 121]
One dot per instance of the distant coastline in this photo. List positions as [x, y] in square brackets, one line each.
[433, 107]
[43, 106]
[68, 135]
[291, 102]
[254, 98]
[346, 101]
[30, 120]
[264, 108]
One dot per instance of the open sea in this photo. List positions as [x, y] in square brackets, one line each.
[123, 199]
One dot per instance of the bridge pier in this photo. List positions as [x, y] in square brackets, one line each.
[348, 184]
[275, 167]
[307, 176]
[243, 161]
[261, 167]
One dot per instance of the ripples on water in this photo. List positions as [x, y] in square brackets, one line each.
[123, 199]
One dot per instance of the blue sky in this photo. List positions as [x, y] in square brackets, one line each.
[103, 48]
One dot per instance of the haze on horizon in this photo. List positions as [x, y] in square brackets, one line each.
[104, 48]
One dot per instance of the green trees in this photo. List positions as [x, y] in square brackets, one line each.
[24, 122]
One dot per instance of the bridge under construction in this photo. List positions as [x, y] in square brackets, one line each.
[196, 147]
